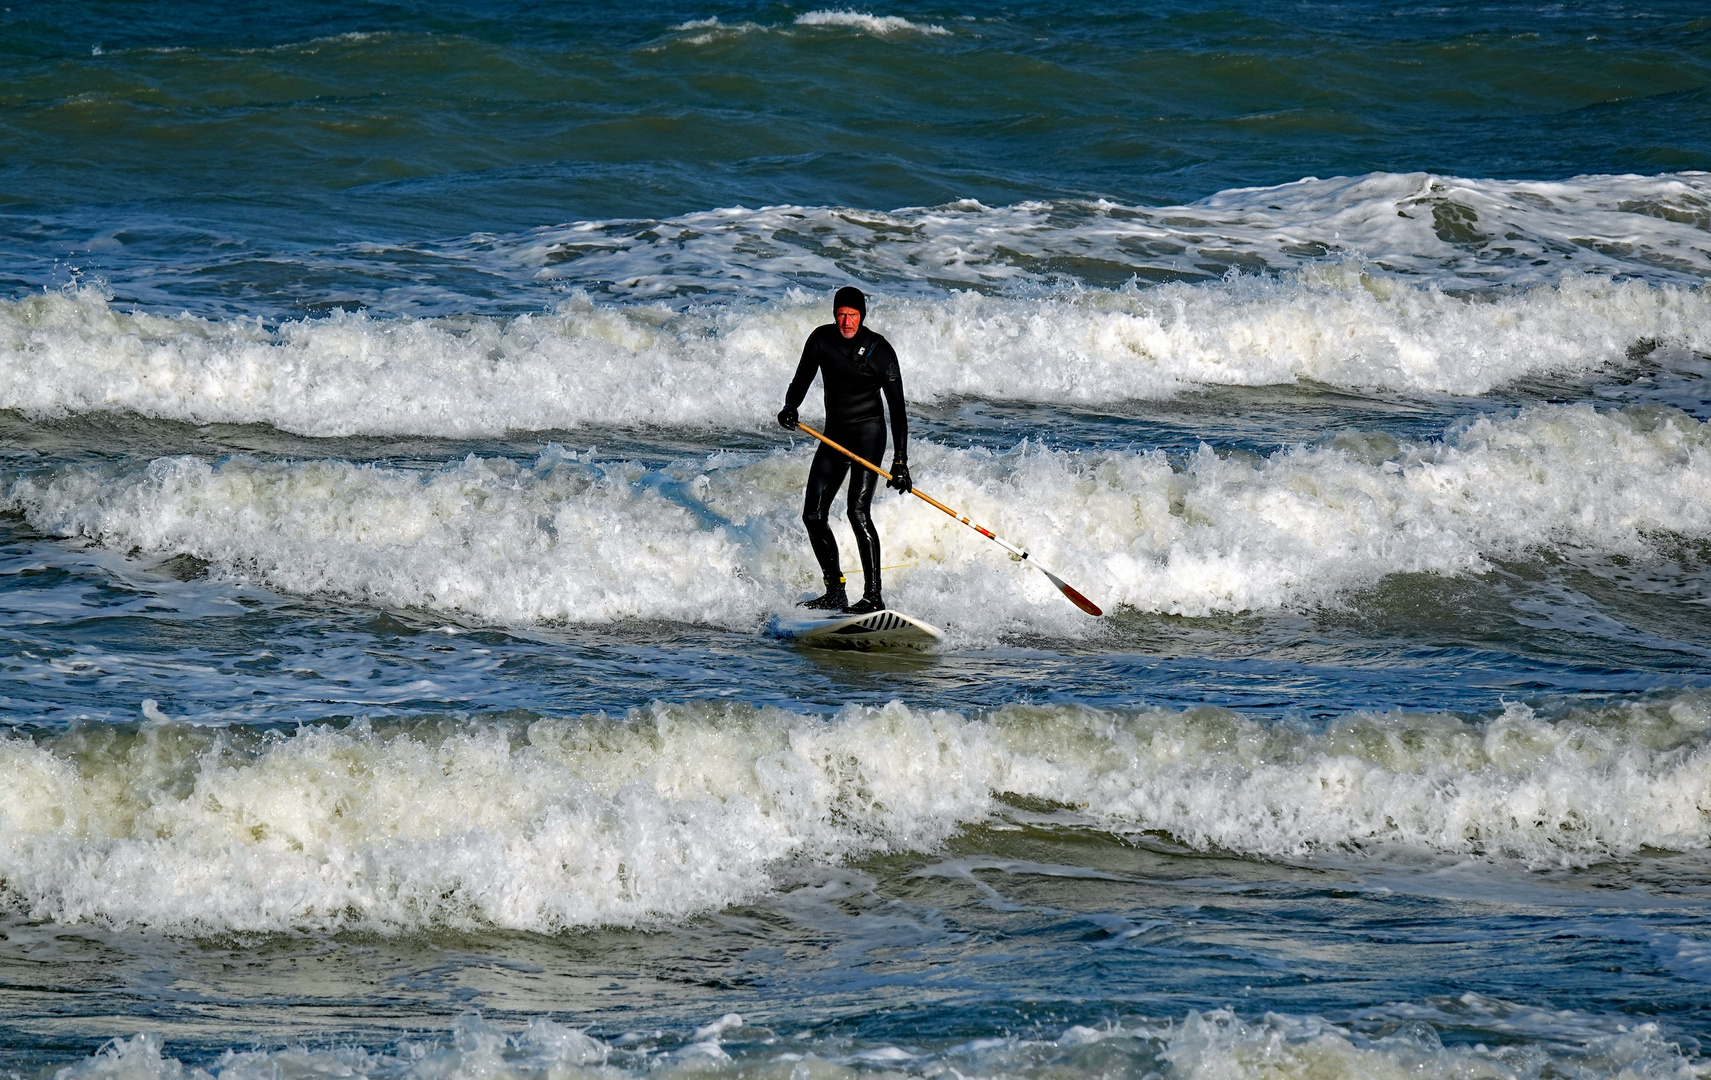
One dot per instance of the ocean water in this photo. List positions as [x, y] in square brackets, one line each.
[391, 511]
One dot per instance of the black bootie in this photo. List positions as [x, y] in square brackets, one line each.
[834, 600]
[867, 605]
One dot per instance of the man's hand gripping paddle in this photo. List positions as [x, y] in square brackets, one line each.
[1075, 598]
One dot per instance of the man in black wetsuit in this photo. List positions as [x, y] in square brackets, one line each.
[856, 366]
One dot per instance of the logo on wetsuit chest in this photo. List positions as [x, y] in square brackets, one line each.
[861, 356]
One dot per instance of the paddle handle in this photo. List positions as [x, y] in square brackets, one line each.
[1075, 597]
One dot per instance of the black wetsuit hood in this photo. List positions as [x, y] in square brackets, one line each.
[850, 296]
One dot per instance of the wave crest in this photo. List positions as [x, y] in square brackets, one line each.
[725, 367]
[717, 540]
[676, 810]
[869, 23]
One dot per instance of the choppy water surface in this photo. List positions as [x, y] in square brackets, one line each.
[390, 510]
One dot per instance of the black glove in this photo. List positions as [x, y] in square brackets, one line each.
[900, 476]
[787, 418]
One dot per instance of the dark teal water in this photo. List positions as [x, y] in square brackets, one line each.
[305, 153]
[392, 511]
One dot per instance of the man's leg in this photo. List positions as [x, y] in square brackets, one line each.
[866, 536]
[870, 444]
[825, 475]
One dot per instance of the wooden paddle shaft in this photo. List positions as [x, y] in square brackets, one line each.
[1075, 597]
[923, 496]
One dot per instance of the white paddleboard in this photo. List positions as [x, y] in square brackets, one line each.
[877, 630]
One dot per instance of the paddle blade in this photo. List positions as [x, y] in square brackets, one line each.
[1075, 598]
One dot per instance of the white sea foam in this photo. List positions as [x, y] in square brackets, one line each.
[1218, 1044]
[869, 23]
[706, 31]
[1359, 292]
[1455, 233]
[675, 810]
[1221, 1044]
[717, 540]
[559, 540]
[724, 366]
[1442, 230]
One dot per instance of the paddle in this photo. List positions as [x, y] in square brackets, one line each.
[1075, 598]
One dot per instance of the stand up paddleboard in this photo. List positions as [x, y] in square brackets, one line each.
[877, 630]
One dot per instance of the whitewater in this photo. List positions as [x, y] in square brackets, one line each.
[710, 540]
[547, 824]
[1281, 308]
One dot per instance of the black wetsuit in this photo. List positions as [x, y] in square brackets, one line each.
[854, 372]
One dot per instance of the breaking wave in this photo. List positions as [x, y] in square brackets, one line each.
[867, 22]
[1455, 233]
[544, 824]
[726, 367]
[716, 540]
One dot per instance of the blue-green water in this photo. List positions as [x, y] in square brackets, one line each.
[392, 512]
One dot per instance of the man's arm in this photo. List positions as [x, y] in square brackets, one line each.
[892, 385]
[798, 388]
[885, 360]
[806, 369]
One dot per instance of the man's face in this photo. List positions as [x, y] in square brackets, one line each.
[849, 321]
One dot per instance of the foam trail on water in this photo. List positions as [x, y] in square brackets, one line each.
[726, 366]
[667, 812]
[717, 540]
